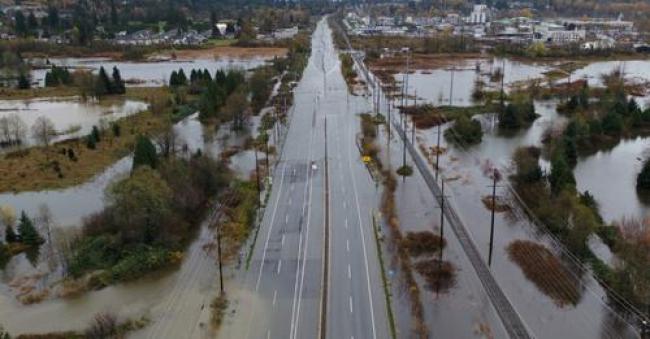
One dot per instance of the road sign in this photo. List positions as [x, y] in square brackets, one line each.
[366, 159]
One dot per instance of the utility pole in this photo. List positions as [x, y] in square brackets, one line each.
[503, 72]
[404, 140]
[494, 192]
[438, 149]
[220, 261]
[268, 169]
[257, 179]
[451, 87]
[442, 228]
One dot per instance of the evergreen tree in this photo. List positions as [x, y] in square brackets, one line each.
[32, 23]
[561, 174]
[53, 17]
[10, 235]
[113, 14]
[28, 233]
[182, 79]
[173, 79]
[21, 25]
[145, 153]
[102, 84]
[90, 142]
[23, 81]
[643, 179]
[95, 133]
[118, 84]
[4, 257]
[116, 129]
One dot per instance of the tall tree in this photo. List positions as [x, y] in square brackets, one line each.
[43, 130]
[20, 24]
[118, 84]
[145, 153]
[53, 17]
[28, 233]
[102, 84]
[32, 23]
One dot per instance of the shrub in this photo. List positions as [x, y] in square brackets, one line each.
[539, 264]
[465, 131]
[422, 243]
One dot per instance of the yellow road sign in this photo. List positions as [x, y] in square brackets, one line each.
[366, 159]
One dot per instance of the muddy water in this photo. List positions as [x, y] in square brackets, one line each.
[590, 317]
[69, 112]
[436, 86]
[162, 296]
[147, 73]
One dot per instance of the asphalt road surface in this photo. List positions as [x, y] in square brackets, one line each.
[282, 294]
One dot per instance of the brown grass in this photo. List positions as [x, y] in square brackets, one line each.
[224, 52]
[397, 63]
[499, 205]
[35, 168]
[545, 271]
[439, 275]
[425, 116]
[218, 306]
[38, 92]
[422, 243]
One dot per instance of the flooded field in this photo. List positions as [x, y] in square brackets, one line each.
[617, 196]
[147, 73]
[72, 117]
[437, 85]
[150, 296]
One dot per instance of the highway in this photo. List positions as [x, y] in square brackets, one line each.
[315, 270]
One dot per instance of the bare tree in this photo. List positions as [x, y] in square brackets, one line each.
[18, 128]
[45, 221]
[12, 130]
[63, 238]
[167, 141]
[43, 130]
[5, 132]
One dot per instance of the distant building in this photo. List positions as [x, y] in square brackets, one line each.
[285, 33]
[602, 42]
[557, 34]
[480, 15]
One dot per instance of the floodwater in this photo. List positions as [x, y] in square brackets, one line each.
[635, 70]
[186, 290]
[145, 73]
[590, 317]
[436, 86]
[69, 113]
[616, 196]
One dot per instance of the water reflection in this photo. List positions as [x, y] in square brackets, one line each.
[457, 81]
[147, 73]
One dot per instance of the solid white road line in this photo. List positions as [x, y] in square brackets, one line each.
[363, 240]
[295, 309]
